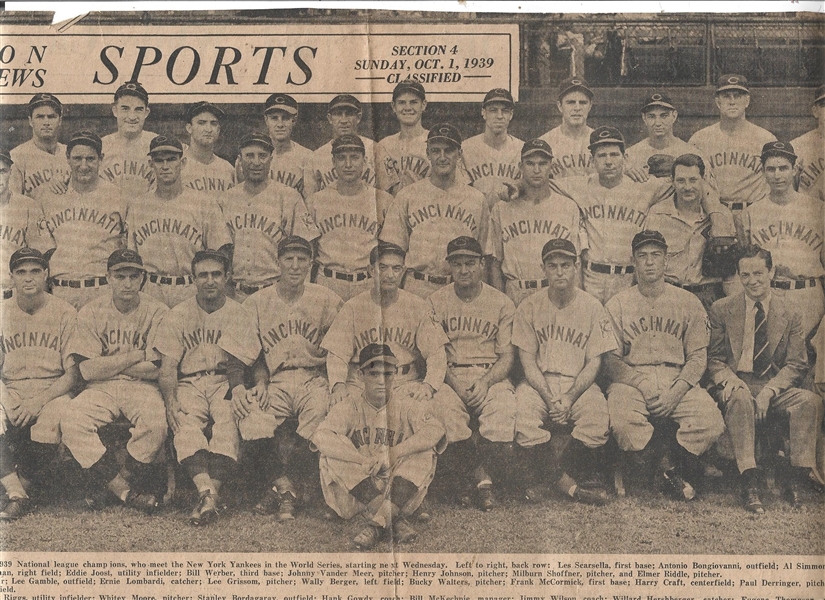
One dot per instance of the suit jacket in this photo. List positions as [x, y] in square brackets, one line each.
[786, 342]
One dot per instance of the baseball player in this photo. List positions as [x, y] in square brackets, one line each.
[790, 225]
[570, 140]
[114, 345]
[84, 224]
[167, 226]
[344, 115]
[197, 376]
[378, 452]
[40, 161]
[348, 216]
[203, 170]
[260, 213]
[478, 321]
[663, 337]
[562, 333]
[126, 162]
[401, 159]
[811, 155]
[519, 228]
[36, 375]
[290, 319]
[425, 216]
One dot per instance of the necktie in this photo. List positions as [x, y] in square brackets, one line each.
[761, 354]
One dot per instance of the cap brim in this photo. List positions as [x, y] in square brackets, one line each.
[159, 149]
[536, 151]
[577, 88]
[441, 138]
[344, 105]
[777, 152]
[649, 243]
[40, 261]
[605, 141]
[741, 88]
[559, 251]
[658, 103]
[506, 101]
[127, 265]
[464, 252]
[348, 147]
[208, 109]
[44, 102]
[390, 360]
[294, 247]
[287, 109]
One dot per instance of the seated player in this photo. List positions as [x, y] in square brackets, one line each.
[378, 452]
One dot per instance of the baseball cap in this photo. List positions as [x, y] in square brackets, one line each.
[732, 82]
[27, 255]
[165, 143]
[219, 255]
[606, 135]
[5, 156]
[85, 137]
[45, 100]
[374, 353]
[383, 248]
[294, 242]
[660, 165]
[536, 146]
[124, 259]
[820, 94]
[648, 236]
[344, 100]
[558, 246]
[783, 149]
[658, 99]
[348, 141]
[409, 86]
[575, 84]
[201, 107]
[255, 137]
[283, 102]
[498, 95]
[464, 246]
[132, 88]
[445, 132]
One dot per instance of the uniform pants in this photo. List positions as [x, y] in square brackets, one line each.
[46, 429]
[808, 302]
[497, 412]
[170, 295]
[103, 402]
[604, 285]
[699, 420]
[203, 398]
[79, 297]
[345, 289]
[516, 293]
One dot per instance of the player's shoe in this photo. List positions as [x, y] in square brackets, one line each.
[286, 508]
[593, 495]
[677, 486]
[143, 502]
[423, 514]
[750, 492]
[532, 495]
[268, 504]
[791, 493]
[486, 498]
[403, 532]
[368, 537]
[205, 511]
[15, 508]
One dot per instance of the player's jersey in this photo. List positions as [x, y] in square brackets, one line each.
[563, 339]
[126, 163]
[423, 219]
[408, 327]
[401, 162]
[36, 346]
[167, 233]
[519, 229]
[195, 338]
[19, 219]
[810, 148]
[102, 330]
[84, 228]
[479, 331]
[323, 171]
[685, 241]
[291, 334]
[793, 233]
[664, 330]
[34, 168]
[213, 178]
[571, 156]
[258, 223]
[487, 168]
[292, 168]
[735, 160]
[638, 155]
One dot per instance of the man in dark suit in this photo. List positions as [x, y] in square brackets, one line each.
[756, 358]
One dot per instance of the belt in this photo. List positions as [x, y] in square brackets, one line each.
[736, 205]
[436, 279]
[251, 289]
[169, 280]
[345, 276]
[206, 372]
[608, 269]
[461, 366]
[7, 294]
[92, 282]
[531, 284]
[799, 284]
[696, 287]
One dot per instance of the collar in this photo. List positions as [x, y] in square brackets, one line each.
[750, 303]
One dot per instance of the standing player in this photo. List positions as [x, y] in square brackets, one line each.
[126, 150]
[261, 213]
[114, 346]
[35, 379]
[809, 147]
[85, 224]
[167, 226]
[570, 139]
[425, 216]
[40, 161]
[348, 216]
[478, 321]
[204, 171]
[401, 159]
[378, 452]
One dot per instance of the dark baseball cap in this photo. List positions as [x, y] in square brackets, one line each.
[45, 100]
[5, 156]
[256, 138]
[536, 146]
[383, 248]
[223, 257]
[348, 141]
[731, 81]
[606, 135]
[165, 143]
[658, 99]
[464, 246]
[374, 353]
[24, 255]
[409, 86]
[648, 236]
[283, 102]
[783, 149]
[132, 88]
[819, 95]
[85, 137]
[660, 165]
[558, 246]
[575, 84]
[201, 107]
[499, 95]
[344, 100]
[445, 132]
[124, 259]
[294, 242]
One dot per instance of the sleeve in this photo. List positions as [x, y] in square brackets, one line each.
[386, 171]
[17, 176]
[68, 324]
[240, 338]
[484, 222]
[745, 218]
[301, 222]
[504, 337]
[382, 203]
[341, 419]
[614, 311]
[796, 358]
[495, 243]
[524, 335]
[395, 228]
[217, 230]
[697, 339]
[333, 307]
[718, 354]
[151, 339]
[340, 339]
[419, 416]
[131, 227]
[429, 334]
[602, 339]
[85, 342]
[168, 341]
[38, 235]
